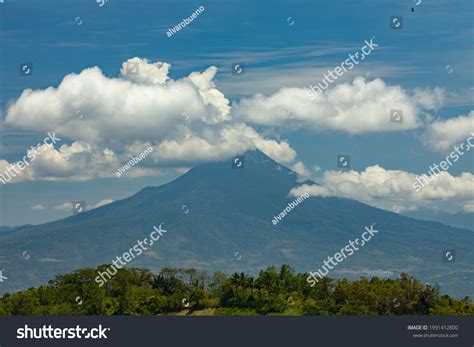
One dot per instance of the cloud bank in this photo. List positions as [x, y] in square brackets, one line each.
[355, 108]
[108, 120]
[383, 188]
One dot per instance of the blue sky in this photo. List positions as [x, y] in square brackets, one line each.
[62, 39]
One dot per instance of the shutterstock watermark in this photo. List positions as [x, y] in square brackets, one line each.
[48, 332]
[288, 208]
[457, 152]
[15, 169]
[128, 256]
[350, 248]
[342, 68]
[185, 22]
[133, 161]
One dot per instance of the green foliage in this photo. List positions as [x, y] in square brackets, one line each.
[188, 291]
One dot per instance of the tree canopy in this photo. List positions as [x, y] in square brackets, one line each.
[189, 291]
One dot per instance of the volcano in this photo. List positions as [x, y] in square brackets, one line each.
[218, 216]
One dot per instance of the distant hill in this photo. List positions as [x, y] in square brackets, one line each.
[6, 229]
[460, 219]
[2, 229]
[220, 218]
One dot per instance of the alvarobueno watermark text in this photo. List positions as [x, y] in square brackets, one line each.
[133, 161]
[288, 208]
[185, 22]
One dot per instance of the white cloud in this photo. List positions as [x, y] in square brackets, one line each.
[114, 109]
[312, 190]
[441, 135]
[360, 107]
[383, 188]
[469, 207]
[187, 121]
[78, 161]
[301, 170]
[210, 95]
[220, 143]
[142, 71]
[65, 206]
[103, 202]
[38, 207]
[429, 99]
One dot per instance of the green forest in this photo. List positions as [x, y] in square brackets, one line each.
[191, 292]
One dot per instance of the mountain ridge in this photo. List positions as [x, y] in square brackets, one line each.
[220, 218]
[461, 219]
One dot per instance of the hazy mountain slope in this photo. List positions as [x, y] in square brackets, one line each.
[460, 219]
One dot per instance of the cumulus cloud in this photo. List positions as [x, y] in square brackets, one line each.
[145, 72]
[210, 95]
[441, 135]
[383, 188]
[358, 107]
[230, 140]
[187, 121]
[114, 109]
[78, 161]
[38, 207]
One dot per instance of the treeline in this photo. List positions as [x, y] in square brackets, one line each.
[188, 291]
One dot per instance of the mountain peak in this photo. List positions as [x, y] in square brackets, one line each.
[252, 169]
[220, 208]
